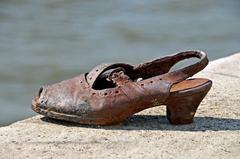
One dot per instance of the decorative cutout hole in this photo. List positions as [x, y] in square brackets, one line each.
[81, 81]
[93, 94]
[160, 79]
[151, 81]
[116, 91]
[105, 94]
[96, 70]
[142, 84]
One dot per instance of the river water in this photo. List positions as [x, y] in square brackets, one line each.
[44, 41]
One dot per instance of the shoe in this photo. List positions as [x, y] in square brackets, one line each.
[110, 93]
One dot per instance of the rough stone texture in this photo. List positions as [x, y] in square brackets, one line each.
[214, 134]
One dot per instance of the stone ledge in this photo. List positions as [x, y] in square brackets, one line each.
[214, 134]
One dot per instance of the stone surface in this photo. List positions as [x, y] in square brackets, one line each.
[214, 134]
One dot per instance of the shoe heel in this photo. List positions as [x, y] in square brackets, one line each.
[181, 109]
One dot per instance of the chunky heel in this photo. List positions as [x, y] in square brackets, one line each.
[181, 109]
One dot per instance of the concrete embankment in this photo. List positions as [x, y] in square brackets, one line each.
[215, 132]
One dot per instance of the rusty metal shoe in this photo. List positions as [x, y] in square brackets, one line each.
[110, 93]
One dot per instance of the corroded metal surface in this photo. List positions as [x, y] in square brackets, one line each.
[110, 93]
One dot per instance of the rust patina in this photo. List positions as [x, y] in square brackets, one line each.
[110, 93]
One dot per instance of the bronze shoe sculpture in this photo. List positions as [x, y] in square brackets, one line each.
[110, 93]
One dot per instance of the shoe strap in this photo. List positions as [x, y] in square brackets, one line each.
[161, 67]
[186, 72]
[94, 74]
[158, 90]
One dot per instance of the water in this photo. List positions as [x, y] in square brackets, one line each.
[44, 41]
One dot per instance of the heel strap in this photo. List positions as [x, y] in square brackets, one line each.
[186, 72]
[163, 65]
